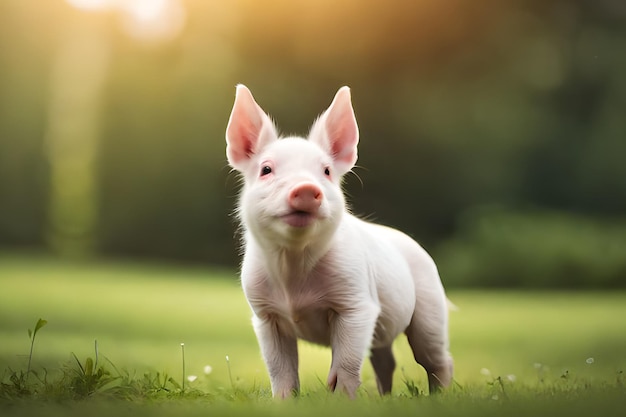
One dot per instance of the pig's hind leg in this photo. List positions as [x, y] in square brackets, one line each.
[384, 364]
[428, 336]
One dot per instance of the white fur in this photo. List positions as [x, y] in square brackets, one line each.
[340, 281]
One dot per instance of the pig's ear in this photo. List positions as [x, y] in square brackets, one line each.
[249, 129]
[337, 132]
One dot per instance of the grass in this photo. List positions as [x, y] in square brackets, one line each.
[114, 334]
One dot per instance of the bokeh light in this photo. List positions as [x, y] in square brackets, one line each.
[146, 20]
[153, 19]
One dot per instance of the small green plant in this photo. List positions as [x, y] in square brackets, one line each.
[88, 378]
[31, 335]
[499, 383]
[411, 386]
[182, 348]
[159, 383]
[230, 375]
[18, 380]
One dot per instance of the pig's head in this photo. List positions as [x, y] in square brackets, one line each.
[291, 196]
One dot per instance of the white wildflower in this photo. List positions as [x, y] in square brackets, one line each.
[192, 378]
[208, 369]
[590, 361]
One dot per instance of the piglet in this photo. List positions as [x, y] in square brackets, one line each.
[311, 270]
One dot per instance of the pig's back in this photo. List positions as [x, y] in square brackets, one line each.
[421, 263]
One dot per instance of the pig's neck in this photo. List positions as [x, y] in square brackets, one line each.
[288, 265]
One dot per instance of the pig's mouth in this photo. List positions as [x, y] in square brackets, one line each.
[299, 218]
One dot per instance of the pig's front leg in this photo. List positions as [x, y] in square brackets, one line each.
[351, 335]
[280, 353]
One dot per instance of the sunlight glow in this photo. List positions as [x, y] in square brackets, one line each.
[146, 10]
[153, 19]
[148, 20]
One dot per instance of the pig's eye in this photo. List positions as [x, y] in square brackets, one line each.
[327, 171]
[265, 170]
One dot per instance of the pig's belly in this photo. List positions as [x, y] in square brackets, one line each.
[310, 325]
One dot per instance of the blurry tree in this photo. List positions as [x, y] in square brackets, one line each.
[27, 39]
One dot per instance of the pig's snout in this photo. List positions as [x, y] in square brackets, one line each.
[305, 197]
[304, 202]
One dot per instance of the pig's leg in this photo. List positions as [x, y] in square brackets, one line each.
[280, 352]
[428, 336]
[351, 336]
[384, 365]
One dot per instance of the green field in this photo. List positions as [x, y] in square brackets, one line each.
[538, 351]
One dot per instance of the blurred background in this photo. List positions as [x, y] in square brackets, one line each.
[493, 132]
